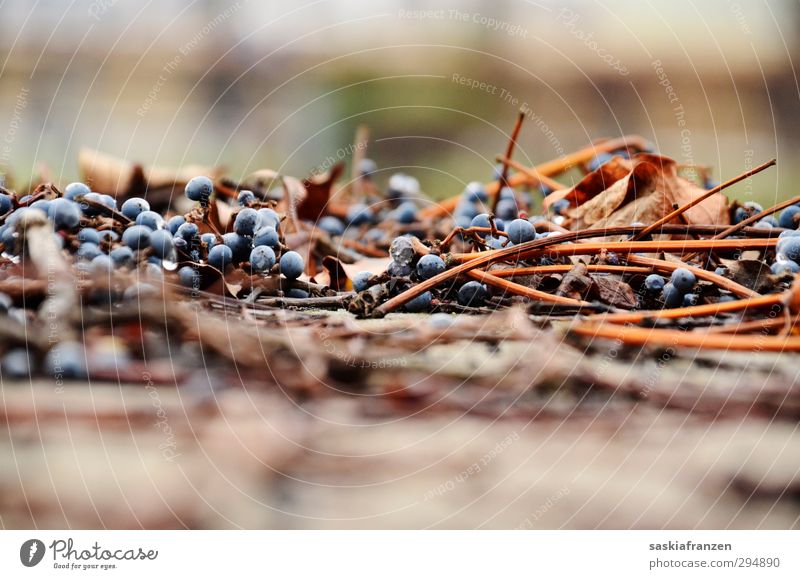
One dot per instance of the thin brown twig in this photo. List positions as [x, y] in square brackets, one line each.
[509, 151]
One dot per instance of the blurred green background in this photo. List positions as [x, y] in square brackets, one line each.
[285, 84]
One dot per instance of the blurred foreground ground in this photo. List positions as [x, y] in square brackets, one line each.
[467, 434]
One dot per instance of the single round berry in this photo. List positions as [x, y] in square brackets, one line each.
[267, 236]
[239, 244]
[245, 198]
[189, 277]
[89, 234]
[406, 213]
[366, 167]
[122, 256]
[507, 209]
[67, 360]
[137, 237]
[789, 217]
[481, 220]
[77, 189]
[465, 210]
[683, 280]
[475, 192]
[395, 269]
[64, 214]
[262, 258]
[41, 204]
[162, 243]
[654, 283]
[6, 204]
[209, 240]
[297, 293]
[673, 297]
[473, 294]
[520, 231]
[690, 300]
[220, 256]
[292, 265]
[88, 251]
[199, 189]
[102, 265]
[150, 219]
[402, 250]
[174, 223]
[133, 206]
[269, 217]
[361, 281]
[429, 266]
[108, 201]
[780, 267]
[359, 214]
[246, 222]
[331, 225]
[420, 303]
[16, 364]
[187, 231]
[789, 248]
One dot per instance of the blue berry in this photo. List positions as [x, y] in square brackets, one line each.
[246, 222]
[789, 247]
[122, 256]
[361, 281]
[240, 246]
[267, 236]
[420, 303]
[507, 209]
[150, 219]
[683, 280]
[473, 293]
[209, 239]
[789, 217]
[6, 204]
[481, 220]
[654, 283]
[108, 235]
[520, 231]
[560, 207]
[189, 277]
[220, 256]
[102, 265]
[139, 291]
[396, 269]
[89, 234]
[262, 258]
[64, 213]
[137, 236]
[162, 244]
[16, 364]
[331, 225]
[429, 266]
[690, 300]
[297, 293]
[188, 231]
[66, 360]
[245, 198]
[199, 189]
[465, 210]
[406, 213]
[780, 267]
[359, 214]
[475, 192]
[493, 242]
[133, 206]
[746, 210]
[599, 161]
[41, 204]
[366, 167]
[673, 297]
[108, 201]
[88, 251]
[77, 189]
[174, 223]
[269, 217]
[292, 265]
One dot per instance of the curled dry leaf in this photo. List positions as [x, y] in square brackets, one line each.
[644, 188]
